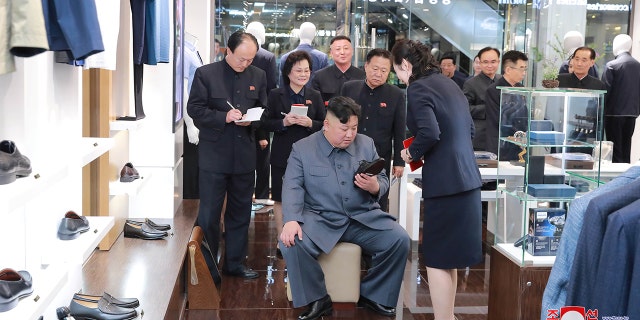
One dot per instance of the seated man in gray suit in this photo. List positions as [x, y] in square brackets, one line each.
[325, 202]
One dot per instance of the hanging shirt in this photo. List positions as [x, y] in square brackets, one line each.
[73, 25]
[109, 19]
[22, 32]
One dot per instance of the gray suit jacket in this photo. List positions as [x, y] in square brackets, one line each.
[318, 190]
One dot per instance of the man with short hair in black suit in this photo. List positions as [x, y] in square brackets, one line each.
[383, 111]
[329, 80]
[221, 93]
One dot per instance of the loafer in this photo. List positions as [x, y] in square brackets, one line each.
[12, 163]
[120, 302]
[72, 225]
[128, 173]
[13, 286]
[376, 307]
[317, 309]
[102, 309]
[243, 272]
[63, 312]
[158, 227]
[142, 231]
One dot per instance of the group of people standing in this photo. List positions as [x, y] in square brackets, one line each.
[352, 115]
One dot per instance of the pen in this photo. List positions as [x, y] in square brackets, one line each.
[230, 105]
[284, 114]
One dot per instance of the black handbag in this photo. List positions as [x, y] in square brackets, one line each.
[371, 168]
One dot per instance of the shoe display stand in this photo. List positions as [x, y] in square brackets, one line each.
[80, 249]
[129, 188]
[47, 283]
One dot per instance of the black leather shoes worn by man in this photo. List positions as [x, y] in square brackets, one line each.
[243, 272]
[376, 307]
[317, 309]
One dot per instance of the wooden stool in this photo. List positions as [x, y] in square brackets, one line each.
[202, 293]
[341, 269]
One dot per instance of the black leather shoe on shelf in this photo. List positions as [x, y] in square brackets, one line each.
[101, 310]
[12, 163]
[376, 307]
[13, 286]
[72, 225]
[142, 231]
[243, 272]
[120, 302]
[128, 173]
[317, 309]
[148, 222]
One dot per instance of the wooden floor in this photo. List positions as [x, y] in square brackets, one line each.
[265, 297]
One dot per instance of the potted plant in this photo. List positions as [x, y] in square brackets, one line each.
[549, 74]
[549, 69]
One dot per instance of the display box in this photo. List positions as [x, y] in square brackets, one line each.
[550, 137]
[545, 229]
[569, 163]
[551, 191]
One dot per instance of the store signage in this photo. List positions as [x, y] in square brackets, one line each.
[590, 6]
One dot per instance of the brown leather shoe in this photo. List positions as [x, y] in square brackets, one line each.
[128, 173]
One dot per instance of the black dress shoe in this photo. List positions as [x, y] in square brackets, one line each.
[376, 307]
[317, 309]
[72, 225]
[13, 286]
[120, 302]
[142, 231]
[155, 226]
[244, 272]
[101, 310]
[12, 163]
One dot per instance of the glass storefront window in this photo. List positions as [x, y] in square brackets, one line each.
[459, 26]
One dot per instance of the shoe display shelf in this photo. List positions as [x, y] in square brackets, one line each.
[80, 249]
[120, 125]
[47, 282]
[129, 188]
[89, 149]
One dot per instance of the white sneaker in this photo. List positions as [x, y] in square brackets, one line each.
[266, 202]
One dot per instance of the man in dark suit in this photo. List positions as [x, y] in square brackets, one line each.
[266, 61]
[475, 90]
[383, 111]
[621, 76]
[330, 79]
[221, 93]
[448, 68]
[581, 61]
[514, 68]
[326, 202]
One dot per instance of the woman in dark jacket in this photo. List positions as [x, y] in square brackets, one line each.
[289, 127]
[439, 119]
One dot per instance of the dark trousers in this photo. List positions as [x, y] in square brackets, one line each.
[138, 73]
[190, 169]
[388, 248]
[237, 216]
[262, 171]
[620, 130]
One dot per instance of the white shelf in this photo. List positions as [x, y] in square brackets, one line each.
[19, 192]
[130, 188]
[46, 285]
[78, 250]
[515, 254]
[121, 125]
[89, 149]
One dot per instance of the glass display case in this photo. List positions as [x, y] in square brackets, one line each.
[546, 151]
